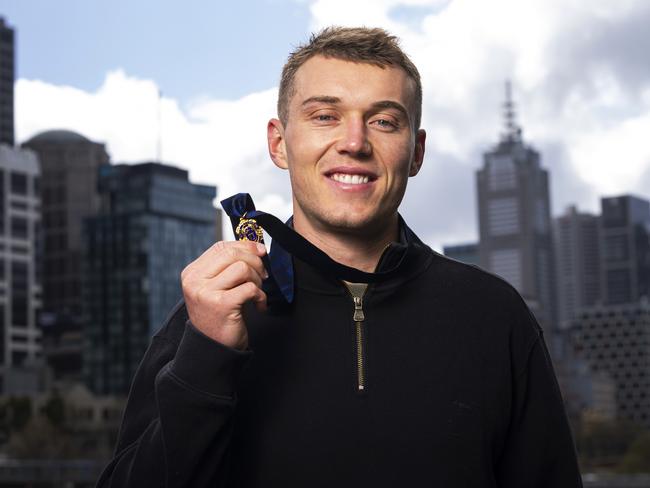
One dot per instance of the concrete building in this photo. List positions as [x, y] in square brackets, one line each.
[466, 253]
[20, 292]
[586, 392]
[153, 223]
[577, 253]
[615, 339]
[69, 166]
[625, 243]
[515, 222]
[7, 76]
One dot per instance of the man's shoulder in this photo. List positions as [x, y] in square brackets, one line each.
[471, 277]
[479, 289]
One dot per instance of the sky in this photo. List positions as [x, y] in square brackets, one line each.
[579, 70]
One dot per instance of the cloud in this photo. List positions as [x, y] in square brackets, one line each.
[220, 142]
[581, 85]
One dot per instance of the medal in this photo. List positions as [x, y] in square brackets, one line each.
[249, 230]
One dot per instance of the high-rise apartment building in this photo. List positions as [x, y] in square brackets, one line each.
[20, 338]
[7, 76]
[625, 243]
[514, 219]
[153, 223]
[69, 167]
[577, 254]
[614, 336]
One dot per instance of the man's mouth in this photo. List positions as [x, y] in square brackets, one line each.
[349, 179]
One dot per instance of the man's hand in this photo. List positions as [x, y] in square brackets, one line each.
[218, 284]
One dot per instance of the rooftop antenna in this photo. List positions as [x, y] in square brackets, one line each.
[159, 137]
[512, 130]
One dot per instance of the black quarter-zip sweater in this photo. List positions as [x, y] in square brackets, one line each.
[457, 391]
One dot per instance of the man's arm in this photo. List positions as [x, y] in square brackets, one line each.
[178, 421]
[539, 450]
[177, 425]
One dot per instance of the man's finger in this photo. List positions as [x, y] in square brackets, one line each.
[234, 275]
[219, 256]
[246, 292]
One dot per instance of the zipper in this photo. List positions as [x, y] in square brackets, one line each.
[357, 291]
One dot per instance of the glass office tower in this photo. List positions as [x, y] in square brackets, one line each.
[153, 223]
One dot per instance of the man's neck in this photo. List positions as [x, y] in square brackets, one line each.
[357, 251]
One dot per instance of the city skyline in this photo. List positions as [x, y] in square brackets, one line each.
[581, 89]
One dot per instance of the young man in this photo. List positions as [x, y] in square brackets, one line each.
[436, 374]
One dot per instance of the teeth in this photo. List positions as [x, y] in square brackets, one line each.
[349, 179]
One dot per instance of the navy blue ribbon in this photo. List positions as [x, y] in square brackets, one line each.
[287, 242]
[279, 286]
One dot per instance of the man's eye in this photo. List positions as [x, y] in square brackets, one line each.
[324, 117]
[386, 124]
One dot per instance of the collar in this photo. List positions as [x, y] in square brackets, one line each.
[289, 249]
[400, 262]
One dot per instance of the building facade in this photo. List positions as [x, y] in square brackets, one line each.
[466, 253]
[625, 243]
[153, 223]
[7, 76]
[577, 253]
[514, 220]
[20, 292]
[615, 339]
[69, 165]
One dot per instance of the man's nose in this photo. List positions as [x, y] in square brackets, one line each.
[354, 140]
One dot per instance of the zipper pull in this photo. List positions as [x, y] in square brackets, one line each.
[357, 290]
[358, 310]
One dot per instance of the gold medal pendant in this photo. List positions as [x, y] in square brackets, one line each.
[249, 230]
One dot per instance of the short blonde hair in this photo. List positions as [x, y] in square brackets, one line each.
[359, 44]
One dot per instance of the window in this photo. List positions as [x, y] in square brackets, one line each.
[19, 227]
[507, 264]
[503, 216]
[18, 183]
[19, 291]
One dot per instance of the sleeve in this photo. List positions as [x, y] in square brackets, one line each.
[178, 420]
[539, 451]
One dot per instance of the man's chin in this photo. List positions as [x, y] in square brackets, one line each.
[357, 225]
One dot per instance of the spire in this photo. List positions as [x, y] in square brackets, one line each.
[512, 130]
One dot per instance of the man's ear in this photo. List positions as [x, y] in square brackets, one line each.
[418, 152]
[276, 143]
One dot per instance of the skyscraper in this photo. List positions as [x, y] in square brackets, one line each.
[514, 219]
[466, 253]
[614, 336]
[577, 253]
[625, 242]
[20, 339]
[69, 166]
[7, 76]
[153, 223]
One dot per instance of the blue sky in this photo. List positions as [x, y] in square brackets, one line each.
[579, 69]
[193, 48]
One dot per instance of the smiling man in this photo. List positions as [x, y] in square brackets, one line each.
[422, 372]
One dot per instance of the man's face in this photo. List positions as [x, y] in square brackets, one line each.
[349, 144]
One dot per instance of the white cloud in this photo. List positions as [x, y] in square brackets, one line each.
[574, 104]
[573, 85]
[219, 142]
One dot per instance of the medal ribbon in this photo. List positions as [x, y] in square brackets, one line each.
[287, 242]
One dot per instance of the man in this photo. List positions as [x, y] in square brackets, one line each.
[435, 374]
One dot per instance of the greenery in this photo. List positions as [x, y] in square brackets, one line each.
[50, 432]
[613, 446]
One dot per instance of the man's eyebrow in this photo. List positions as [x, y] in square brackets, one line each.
[391, 104]
[321, 99]
[383, 104]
